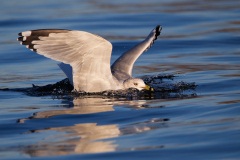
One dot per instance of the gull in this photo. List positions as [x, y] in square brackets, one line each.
[85, 58]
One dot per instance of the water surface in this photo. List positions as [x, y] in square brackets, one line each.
[199, 43]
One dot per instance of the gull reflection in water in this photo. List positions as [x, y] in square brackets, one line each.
[83, 137]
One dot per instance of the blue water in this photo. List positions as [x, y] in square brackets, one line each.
[199, 43]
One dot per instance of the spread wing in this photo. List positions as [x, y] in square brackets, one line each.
[122, 67]
[88, 54]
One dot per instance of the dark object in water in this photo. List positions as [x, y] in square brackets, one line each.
[62, 87]
[163, 87]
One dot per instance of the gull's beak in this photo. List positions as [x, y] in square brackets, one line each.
[147, 87]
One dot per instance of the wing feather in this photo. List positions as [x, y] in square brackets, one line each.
[85, 52]
[122, 67]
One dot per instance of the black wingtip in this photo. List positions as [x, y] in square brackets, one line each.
[155, 32]
[20, 39]
[20, 34]
[158, 30]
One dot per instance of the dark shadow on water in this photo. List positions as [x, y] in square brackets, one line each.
[162, 87]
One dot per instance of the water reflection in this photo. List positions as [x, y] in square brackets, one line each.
[80, 106]
[85, 105]
[80, 138]
[85, 137]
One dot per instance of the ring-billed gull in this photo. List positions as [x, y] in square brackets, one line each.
[86, 57]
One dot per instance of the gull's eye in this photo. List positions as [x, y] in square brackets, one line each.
[135, 84]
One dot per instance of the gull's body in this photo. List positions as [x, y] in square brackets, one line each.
[86, 57]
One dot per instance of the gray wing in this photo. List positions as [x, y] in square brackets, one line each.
[122, 67]
[67, 69]
[88, 54]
